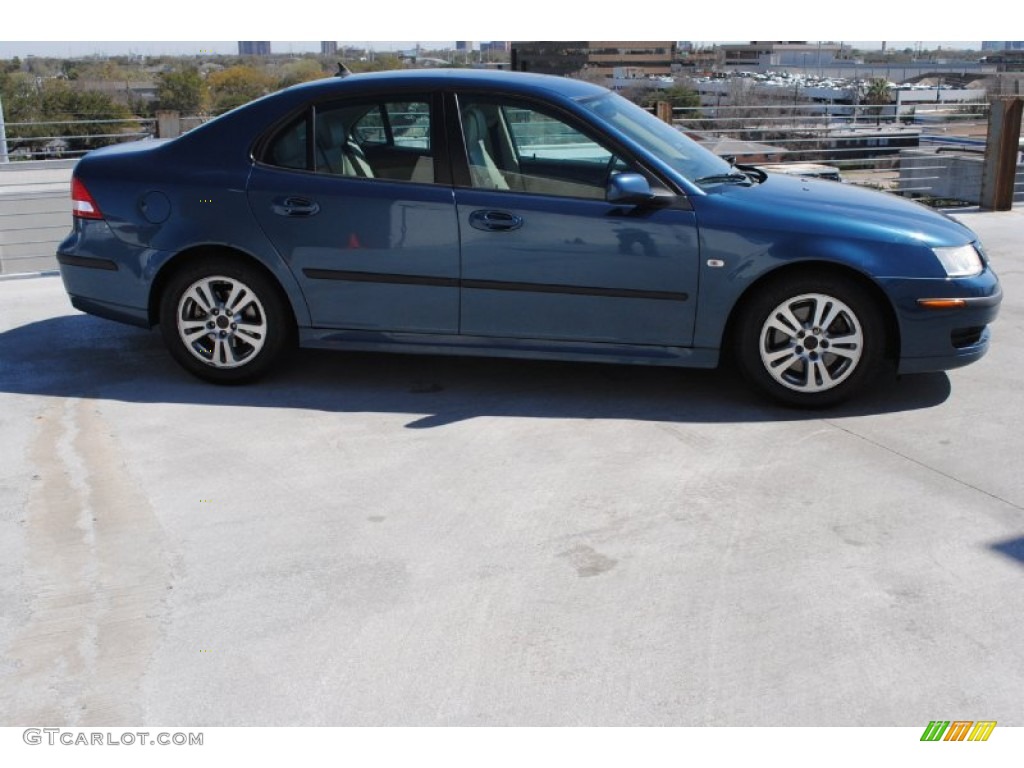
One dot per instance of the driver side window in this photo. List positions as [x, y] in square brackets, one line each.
[519, 148]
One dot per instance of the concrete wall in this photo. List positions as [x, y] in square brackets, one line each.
[941, 174]
[35, 214]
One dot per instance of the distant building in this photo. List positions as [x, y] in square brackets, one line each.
[496, 46]
[328, 48]
[1003, 46]
[742, 150]
[1006, 60]
[250, 48]
[550, 58]
[602, 59]
[771, 53]
[465, 46]
[692, 61]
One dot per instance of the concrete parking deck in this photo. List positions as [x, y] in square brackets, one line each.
[378, 540]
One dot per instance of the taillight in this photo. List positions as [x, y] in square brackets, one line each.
[82, 204]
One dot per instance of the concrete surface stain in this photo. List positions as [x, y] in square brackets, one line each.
[846, 534]
[97, 577]
[587, 561]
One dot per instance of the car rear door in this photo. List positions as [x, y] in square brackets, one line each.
[356, 197]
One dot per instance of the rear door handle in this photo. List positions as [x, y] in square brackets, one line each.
[495, 221]
[295, 206]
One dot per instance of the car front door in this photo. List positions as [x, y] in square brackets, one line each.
[356, 197]
[544, 255]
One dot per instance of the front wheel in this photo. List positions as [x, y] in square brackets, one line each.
[224, 321]
[811, 341]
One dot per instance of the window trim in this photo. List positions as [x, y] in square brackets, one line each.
[462, 178]
[439, 141]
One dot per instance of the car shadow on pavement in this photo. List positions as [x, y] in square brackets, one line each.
[82, 356]
[1014, 548]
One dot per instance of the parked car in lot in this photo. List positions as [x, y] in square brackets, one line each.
[511, 215]
[803, 170]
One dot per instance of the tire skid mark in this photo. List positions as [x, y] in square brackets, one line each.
[97, 578]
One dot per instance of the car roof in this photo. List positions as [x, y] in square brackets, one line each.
[521, 82]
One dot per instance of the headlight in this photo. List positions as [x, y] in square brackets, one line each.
[961, 261]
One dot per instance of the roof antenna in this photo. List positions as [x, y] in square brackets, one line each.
[343, 71]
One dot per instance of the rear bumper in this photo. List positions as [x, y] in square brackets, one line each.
[102, 275]
[101, 289]
[110, 311]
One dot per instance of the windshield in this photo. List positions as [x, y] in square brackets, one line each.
[670, 145]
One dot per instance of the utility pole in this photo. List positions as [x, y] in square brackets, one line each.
[3, 135]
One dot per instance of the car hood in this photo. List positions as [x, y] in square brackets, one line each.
[829, 208]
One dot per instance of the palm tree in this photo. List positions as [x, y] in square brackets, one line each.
[877, 94]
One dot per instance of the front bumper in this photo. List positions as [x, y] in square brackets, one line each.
[939, 339]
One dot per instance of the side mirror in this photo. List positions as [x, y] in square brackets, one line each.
[629, 189]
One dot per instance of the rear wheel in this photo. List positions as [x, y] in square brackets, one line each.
[224, 321]
[811, 341]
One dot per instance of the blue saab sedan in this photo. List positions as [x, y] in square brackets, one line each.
[511, 215]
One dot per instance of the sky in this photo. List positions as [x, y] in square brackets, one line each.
[72, 49]
[124, 26]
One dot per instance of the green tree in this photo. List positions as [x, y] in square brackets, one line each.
[182, 89]
[678, 96]
[69, 69]
[38, 114]
[300, 72]
[103, 69]
[380, 62]
[877, 95]
[22, 111]
[237, 85]
[85, 118]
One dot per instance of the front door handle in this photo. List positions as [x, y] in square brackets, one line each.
[295, 206]
[495, 221]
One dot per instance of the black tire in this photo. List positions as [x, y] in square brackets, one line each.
[783, 352]
[218, 343]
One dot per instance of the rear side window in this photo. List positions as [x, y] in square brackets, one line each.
[288, 149]
[385, 139]
[396, 123]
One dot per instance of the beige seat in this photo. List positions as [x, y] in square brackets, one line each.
[423, 171]
[338, 153]
[482, 167]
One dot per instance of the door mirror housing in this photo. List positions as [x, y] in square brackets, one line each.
[629, 189]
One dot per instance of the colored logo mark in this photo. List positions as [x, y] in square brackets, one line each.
[958, 730]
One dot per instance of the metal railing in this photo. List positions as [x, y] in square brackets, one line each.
[930, 151]
[35, 207]
[35, 204]
[35, 213]
[48, 139]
